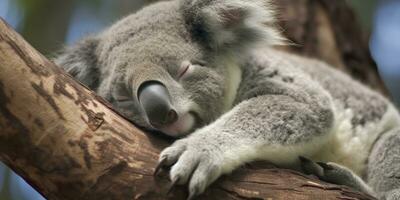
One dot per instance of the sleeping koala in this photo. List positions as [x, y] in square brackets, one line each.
[205, 71]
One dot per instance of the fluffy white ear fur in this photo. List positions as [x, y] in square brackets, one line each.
[236, 23]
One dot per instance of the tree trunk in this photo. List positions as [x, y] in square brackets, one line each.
[329, 30]
[69, 144]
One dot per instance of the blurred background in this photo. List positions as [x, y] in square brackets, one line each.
[50, 24]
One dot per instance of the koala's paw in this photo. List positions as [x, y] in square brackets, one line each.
[197, 165]
[330, 172]
[336, 174]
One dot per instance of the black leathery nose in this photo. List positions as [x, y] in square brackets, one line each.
[155, 101]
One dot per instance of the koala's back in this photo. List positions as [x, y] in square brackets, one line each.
[361, 114]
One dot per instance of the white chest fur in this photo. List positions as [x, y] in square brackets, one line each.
[350, 146]
[233, 80]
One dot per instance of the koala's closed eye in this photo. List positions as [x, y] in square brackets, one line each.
[187, 67]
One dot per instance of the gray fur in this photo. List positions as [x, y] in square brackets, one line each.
[283, 106]
[383, 172]
[81, 62]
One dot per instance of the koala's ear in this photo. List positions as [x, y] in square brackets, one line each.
[227, 24]
[80, 61]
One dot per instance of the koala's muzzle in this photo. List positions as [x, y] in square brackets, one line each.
[156, 102]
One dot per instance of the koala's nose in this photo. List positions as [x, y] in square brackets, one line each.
[155, 101]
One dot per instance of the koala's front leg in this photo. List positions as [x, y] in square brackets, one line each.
[276, 128]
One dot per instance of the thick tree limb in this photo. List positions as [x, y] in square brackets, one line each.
[69, 144]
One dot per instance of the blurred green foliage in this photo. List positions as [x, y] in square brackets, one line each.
[45, 23]
[5, 189]
[365, 10]
[29, 5]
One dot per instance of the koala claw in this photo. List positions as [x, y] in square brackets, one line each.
[159, 166]
[325, 166]
[172, 186]
[310, 167]
[191, 196]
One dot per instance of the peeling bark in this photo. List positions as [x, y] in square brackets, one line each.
[68, 143]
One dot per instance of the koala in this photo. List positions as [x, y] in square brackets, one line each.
[206, 72]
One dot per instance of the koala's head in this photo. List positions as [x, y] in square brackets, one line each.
[165, 67]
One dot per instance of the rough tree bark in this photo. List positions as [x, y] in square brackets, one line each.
[69, 144]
